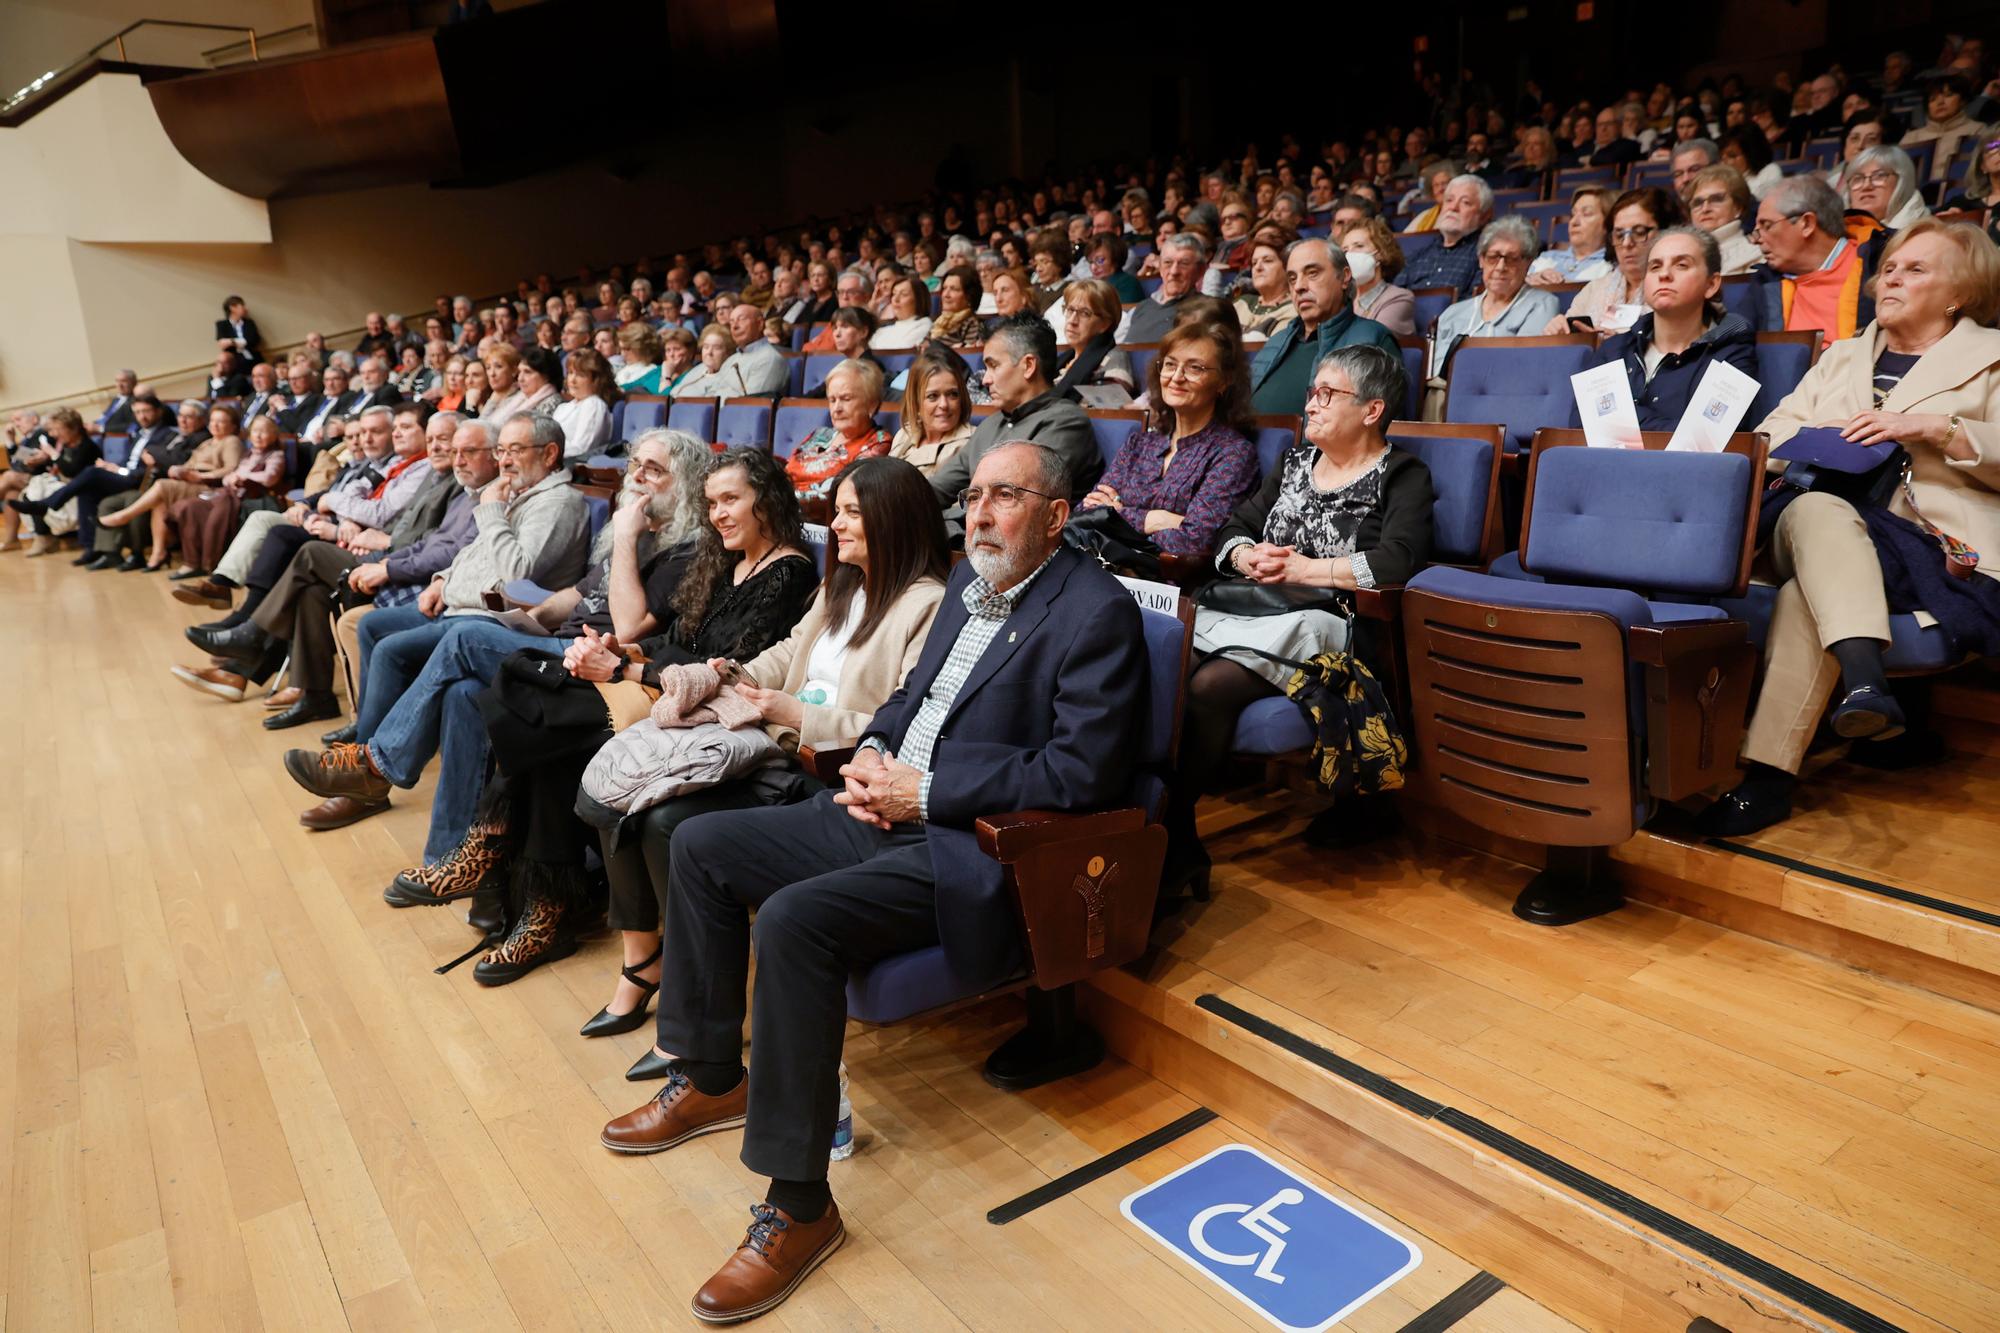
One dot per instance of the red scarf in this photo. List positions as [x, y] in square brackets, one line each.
[396, 472]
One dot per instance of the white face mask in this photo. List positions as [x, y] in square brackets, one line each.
[1361, 266]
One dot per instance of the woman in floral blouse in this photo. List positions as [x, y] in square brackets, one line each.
[853, 396]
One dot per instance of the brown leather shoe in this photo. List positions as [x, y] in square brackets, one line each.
[676, 1114]
[283, 699]
[776, 1255]
[206, 593]
[213, 680]
[338, 812]
[344, 770]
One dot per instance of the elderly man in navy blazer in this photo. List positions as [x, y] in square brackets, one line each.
[1029, 694]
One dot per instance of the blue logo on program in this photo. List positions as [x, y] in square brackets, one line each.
[1299, 1257]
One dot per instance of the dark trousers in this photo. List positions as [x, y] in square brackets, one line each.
[637, 860]
[281, 544]
[831, 895]
[132, 537]
[88, 490]
[301, 607]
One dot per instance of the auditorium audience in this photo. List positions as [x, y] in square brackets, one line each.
[1182, 257]
[1020, 354]
[585, 411]
[1947, 127]
[1611, 302]
[1718, 201]
[1283, 371]
[818, 687]
[1583, 255]
[1344, 509]
[853, 396]
[937, 410]
[1052, 727]
[65, 453]
[211, 461]
[1505, 306]
[1924, 373]
[1685, 328]
[1095, 370]
[1178, 480]
[1466, 206]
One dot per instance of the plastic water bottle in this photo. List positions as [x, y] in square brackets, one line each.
[843, 1126]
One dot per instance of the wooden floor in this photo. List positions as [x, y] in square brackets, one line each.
[235, 1095]
[1833, 1122]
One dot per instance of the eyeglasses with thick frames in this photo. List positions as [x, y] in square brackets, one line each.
[1000, 495]
[1633, 235]
[1322, 395]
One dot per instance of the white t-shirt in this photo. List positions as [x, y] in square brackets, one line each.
[829, 657]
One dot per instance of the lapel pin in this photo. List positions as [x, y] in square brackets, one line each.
[1011, 636]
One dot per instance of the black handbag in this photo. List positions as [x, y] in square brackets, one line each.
[1103, 534]
[1864, 475]
[1247, 597]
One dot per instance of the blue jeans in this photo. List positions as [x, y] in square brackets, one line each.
[433, 714]
[407, 636]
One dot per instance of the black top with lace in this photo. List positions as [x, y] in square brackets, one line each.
[743, 618]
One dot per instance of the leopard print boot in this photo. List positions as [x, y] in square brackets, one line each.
[546, 929]
[478, 861]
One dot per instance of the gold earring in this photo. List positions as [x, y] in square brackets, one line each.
[1951, 311]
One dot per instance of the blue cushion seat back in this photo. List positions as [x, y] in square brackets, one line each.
[1111, 434]
[600, 513]
[1413, 372]
[817, 367]
[1149, 285]
[640, 416]
[1780, 367]
[795, 376]
[618, 420]
[1414, 243]
[793, 424]
[117, 448]
[1461, 477]
[1641, 518]
[895, 363]
[890, 416]
[1142, 363]
[745, 424]
[1744, 297]
[1272, 442]
[695, 416]
[1520, 388]
[1429, 305]
[974, 359]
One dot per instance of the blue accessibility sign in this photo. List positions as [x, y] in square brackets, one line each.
[1281, 1245]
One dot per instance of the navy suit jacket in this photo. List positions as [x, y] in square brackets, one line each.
[1049, 719]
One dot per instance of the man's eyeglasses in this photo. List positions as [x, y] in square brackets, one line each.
[516, 450]
[651, 471]
[1000, 495]
[1633, 235]
[1764, 226]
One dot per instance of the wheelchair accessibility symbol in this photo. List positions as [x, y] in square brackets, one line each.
[1295, 1254]
[1258, 1222]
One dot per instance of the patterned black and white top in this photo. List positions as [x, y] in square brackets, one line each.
[1324, 525]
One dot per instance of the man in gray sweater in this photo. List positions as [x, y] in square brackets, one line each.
[1020, 367]
[423, 664]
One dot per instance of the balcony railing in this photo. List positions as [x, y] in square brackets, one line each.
[148, 44]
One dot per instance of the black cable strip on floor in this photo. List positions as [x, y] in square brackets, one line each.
[1103, 1166]
[1472, 1293]
[1854, 881]
[1707, 1243]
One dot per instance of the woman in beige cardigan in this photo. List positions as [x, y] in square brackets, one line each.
[1925, 374]
[818, 688]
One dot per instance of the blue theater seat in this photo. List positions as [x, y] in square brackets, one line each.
[745, 423]
[696, 416]
[1519, 383]
[796, 419]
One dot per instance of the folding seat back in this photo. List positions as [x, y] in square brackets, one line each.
[1783, 358]
[1416, 354]
[1430, 303]
[1823, 152]
[1565, 293]
[795, 420]
[745, 423]
[1511, 201]
[890, 417]
[1642, 174]
[1542, 214]
[1557, 708]
[817, 367]
[1743, 295]
[1414, 243]
[895, 363]
[696, 416]
[795, 373]
[618, 422]
[642, 413]
[118, 448]
[1519, 383]
[1111, 427]
[1571, 179]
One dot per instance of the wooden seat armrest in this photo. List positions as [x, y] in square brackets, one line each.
[1008, 837]
[1657, 645]
[515, 604]
[1379, 603]
[824, 763]
[1185, 569]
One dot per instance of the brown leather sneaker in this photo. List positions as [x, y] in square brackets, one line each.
[776, 1255]
[679, 1112]
[344, 770]
[221, 683]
